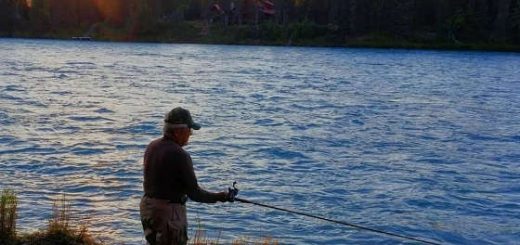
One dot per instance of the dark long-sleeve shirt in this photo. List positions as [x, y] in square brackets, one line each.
[168, 174]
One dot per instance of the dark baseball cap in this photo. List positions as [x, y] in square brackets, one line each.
[180, 115]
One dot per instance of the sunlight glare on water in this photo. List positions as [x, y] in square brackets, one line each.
[421, 143]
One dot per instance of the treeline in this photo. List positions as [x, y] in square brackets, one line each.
[330, 21]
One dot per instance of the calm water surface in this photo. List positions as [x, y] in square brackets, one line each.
[421, 143]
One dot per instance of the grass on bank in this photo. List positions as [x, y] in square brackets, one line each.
[61, 230]
[8, 205]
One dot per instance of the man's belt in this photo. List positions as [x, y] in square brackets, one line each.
[182, 200]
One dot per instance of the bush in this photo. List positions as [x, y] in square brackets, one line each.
[307, 30]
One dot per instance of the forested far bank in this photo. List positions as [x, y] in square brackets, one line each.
[478, 24]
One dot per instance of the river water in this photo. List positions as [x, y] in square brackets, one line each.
[420, 143]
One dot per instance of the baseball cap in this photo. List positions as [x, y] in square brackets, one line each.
[180, 115]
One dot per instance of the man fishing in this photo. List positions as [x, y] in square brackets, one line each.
[169, 180]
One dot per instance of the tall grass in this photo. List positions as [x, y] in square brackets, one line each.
[8, 204]
[60, 216]
[63, 230]
[59, 231]
[265, 241]
[200, 238]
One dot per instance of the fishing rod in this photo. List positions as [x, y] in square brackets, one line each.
[235, 190]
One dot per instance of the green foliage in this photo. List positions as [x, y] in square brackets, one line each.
[515, 16]
[8, 205]
[298, 22]
[307, 30]
[8, 15]
[515, 21]
[454, 24]
[39, 16]
[272, 31]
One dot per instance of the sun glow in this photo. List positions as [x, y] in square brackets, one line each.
[111, 10]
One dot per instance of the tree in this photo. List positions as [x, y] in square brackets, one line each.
[515, 22]
[6, 18]
[40, 16]
[140, 18]
[13, 13]
[500, 23]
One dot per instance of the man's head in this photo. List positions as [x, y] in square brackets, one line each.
[178, 125]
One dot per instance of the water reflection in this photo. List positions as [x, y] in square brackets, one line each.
[421, 142]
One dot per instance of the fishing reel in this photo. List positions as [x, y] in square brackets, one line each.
[232, 192]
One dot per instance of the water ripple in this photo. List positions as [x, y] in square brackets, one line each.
[391, 139]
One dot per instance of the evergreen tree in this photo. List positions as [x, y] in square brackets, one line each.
[40, 16]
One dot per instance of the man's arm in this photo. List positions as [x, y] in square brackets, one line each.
[193, 189]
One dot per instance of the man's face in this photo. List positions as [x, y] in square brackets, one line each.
[183, 136]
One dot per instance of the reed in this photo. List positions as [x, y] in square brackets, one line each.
[8, 204]
[241, 241]
[60, 216]
[61, 229]
[200, 238]
[264, 241]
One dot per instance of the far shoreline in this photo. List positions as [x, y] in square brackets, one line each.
[370, 44]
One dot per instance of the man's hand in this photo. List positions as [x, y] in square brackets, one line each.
[231, 194]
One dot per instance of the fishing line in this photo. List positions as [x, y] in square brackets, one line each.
[338, 222]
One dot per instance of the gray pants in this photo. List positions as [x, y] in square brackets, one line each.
[164, 223]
